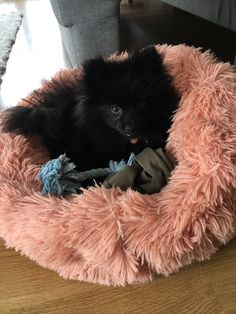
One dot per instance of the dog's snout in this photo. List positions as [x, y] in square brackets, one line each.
[129, 129]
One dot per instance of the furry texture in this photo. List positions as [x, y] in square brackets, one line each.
[112, 109]
[116, 238]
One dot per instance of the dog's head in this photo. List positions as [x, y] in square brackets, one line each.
[134, 97]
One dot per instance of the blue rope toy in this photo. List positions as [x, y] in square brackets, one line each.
[59, 176]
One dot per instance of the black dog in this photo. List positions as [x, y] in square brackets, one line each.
[115, 108]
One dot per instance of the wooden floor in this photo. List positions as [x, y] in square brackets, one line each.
[25, 287]
[204, 288]
[37, 53]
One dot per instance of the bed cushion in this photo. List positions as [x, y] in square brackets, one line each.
[115, 237]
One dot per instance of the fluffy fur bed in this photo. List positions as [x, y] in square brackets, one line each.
[116, 238]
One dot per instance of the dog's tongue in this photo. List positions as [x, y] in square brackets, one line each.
[134, 140]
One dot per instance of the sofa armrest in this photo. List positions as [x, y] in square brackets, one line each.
[88, 27]
[69, 12]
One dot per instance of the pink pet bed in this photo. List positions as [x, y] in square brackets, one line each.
[113, 237]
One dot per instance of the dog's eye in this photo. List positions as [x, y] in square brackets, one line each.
[116, 109]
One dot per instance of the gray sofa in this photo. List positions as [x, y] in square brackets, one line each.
[88, 27]
[91, 27]
[221, 12]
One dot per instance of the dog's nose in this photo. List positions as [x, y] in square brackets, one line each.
[129, 129]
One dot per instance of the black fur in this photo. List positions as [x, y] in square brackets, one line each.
[103, 114]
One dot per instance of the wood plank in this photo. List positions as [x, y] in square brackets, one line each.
[207, 288]
[221, 273]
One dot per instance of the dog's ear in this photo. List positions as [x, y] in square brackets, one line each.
[148, 57]
[95, 73]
